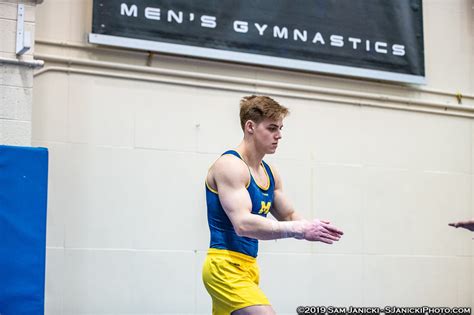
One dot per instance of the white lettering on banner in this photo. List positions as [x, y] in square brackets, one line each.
[261, 28]
[153, 13]
[378, 48]
[337, 41]
[208, 21]
[398, 50]
[318, 38]
[125, 10]
[241, 26]
[279, 32]
[354, 41]
[177, 17]
[303, 36]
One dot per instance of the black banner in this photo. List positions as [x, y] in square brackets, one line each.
[380, 39]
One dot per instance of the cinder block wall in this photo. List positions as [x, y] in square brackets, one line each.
[127, 226]
[16, 81]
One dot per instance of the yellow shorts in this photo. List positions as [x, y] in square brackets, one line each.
[231, 279]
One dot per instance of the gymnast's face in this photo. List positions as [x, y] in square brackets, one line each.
[267, 134]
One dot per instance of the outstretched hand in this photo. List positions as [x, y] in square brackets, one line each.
[321, 231]
[469, 225]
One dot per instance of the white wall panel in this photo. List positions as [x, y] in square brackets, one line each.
[154, 293]
[305, 279]
[53, 14]
[166, 118]
[54, 281]
[173, 213]
[59, 191]
[104, 115]
[320, 131]
[128, 281]
[99, 282]
[448, 50]
[50, 108]
[337, 193]
[416, 141]
[105, 197]
[414, 281]
[334, 133]
[218, 130]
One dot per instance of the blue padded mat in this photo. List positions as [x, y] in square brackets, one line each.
[23, 197]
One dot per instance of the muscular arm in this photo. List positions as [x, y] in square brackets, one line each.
[231, 177]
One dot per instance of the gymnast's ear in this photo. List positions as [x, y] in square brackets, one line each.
[250, 126]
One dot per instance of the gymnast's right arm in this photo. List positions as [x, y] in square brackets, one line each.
[231, 177]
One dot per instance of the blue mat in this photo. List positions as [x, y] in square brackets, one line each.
[23, 197]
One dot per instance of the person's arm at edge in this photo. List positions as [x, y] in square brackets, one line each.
[469, 225]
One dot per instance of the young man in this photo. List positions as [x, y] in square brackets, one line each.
[241, 189]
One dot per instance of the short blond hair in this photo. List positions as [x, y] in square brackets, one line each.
[258, 107]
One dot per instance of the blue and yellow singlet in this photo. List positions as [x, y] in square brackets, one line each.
[223, 235]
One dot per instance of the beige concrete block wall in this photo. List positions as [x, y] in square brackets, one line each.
[16, 80]
[129, 149]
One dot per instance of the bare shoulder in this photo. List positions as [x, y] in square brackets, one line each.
[229, 170]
